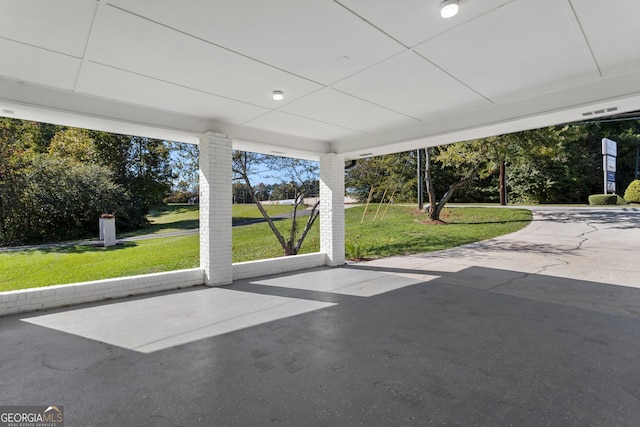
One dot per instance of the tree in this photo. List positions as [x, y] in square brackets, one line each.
[548, 165]
[299, 175]
[184, 162]
[37, 162]
[544, 165]
[263, 192]
[142, 166]
[13, 149]
[75, 144]
[468, 159]
[241, 193]
[383, 177]
[65, 198]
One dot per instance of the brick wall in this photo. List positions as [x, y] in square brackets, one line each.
[62, 295]
[265, 267]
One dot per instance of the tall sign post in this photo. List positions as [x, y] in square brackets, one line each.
[609, 154]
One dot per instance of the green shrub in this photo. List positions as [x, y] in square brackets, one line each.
[632, 194]
[621, 201]
[603, 199]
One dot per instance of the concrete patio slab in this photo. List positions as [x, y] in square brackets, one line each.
[540, 327]
[165, 321]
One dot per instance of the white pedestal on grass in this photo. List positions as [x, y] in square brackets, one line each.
[108, 231]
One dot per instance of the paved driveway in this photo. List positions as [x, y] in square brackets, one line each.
[540, 327]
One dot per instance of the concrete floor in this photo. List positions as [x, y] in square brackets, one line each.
[540, 327]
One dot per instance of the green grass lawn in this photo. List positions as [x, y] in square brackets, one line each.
[402, 231]
[45, 267]
[405, 230]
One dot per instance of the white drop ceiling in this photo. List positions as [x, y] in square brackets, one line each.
[359, 76]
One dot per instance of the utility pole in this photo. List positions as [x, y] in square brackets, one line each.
[421, 179]
[503, 184]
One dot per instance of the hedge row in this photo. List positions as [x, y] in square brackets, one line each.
[631, 195]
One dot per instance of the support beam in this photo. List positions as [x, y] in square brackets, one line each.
[332, 208]
[215, 209]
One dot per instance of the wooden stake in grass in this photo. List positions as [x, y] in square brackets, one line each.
[380, 205]
[367, 205]
[388, 203]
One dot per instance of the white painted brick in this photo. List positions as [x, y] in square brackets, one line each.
[249, 269]
[215, 218]
[332, 208]
[63, 295]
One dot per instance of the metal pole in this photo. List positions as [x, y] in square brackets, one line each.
[604, 168]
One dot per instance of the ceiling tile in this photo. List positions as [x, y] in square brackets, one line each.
[317, 39]
[301, 126]
[414, 21]
[128, 42]
[31, 64]
[62, 26]
[613, 32]
[413, 86]
[336, 108]
[504, 55]
[123, 86]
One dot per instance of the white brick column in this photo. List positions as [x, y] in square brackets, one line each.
[215, 209]
[332, 208]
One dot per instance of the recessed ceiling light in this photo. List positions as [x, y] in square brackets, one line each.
[278, 95]
[449, 8]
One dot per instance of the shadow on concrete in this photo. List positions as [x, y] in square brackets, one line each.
[478, 346]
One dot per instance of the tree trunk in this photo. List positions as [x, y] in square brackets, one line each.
[312, 218]
[264, 213]
[431, 192]
[289, 249]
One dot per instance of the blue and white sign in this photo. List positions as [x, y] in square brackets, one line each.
[609, 147]
[609, 154]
